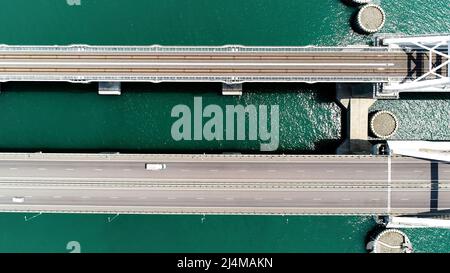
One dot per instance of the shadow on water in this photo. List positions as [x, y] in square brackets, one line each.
[126, 87]
[350, 3]
[373, 233]
[425, 96]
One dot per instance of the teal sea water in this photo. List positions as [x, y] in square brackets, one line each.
[72, 117]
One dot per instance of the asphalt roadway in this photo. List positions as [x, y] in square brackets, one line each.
[231, 184]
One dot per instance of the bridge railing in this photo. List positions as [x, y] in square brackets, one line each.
[190, 49]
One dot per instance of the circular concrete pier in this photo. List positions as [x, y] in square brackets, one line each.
[390, 241]
[370, 18]
[383, 124]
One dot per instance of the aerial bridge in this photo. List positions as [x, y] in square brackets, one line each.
[393, 64]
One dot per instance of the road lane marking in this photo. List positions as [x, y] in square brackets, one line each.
[258, 198]
[404, 199]
[57, 197]
[200, 198]
[287, 199]
[317, 199]
[126, 170]
[185, 170]
[98, 170]
[345, 199]
[242, 171]
[330, 171]
[114, 197]
[69, 169]
[214, 171]
[359, 171]
[375, 199]
[272, 171]
[85, 197]
[42, 169]
[13, 169]
[418, 171]
[229, 198]
[171, 198]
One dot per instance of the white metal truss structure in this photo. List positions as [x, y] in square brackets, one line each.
[414, 222]
[430, 80]
[431, 150]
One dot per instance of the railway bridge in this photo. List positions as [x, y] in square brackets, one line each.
[394, 64]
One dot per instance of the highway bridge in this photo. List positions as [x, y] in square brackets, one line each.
[228, 184]
[420, 63]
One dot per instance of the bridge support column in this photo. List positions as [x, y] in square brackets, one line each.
[232, 89]
[356, 99]
[109, 88]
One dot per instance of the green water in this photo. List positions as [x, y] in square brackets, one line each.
[419, 117]
[62, 117]
[172, 233]
[140, 120]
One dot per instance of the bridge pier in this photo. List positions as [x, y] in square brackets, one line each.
[232, 89]
[356, 99]
[109, 88]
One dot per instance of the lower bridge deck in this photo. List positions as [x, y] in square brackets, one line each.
[231, 184]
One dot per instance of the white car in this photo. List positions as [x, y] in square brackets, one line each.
[18, 199]
[155, 166]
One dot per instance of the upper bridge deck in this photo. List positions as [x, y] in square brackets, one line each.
[227, 64]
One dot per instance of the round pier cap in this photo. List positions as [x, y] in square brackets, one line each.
[361, 1]
[371, 18]
[383, 124]
[390, 241]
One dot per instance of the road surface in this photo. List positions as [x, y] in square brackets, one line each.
[234, 184]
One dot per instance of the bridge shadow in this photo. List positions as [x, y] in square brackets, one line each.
[350, 3]
[413, 64]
